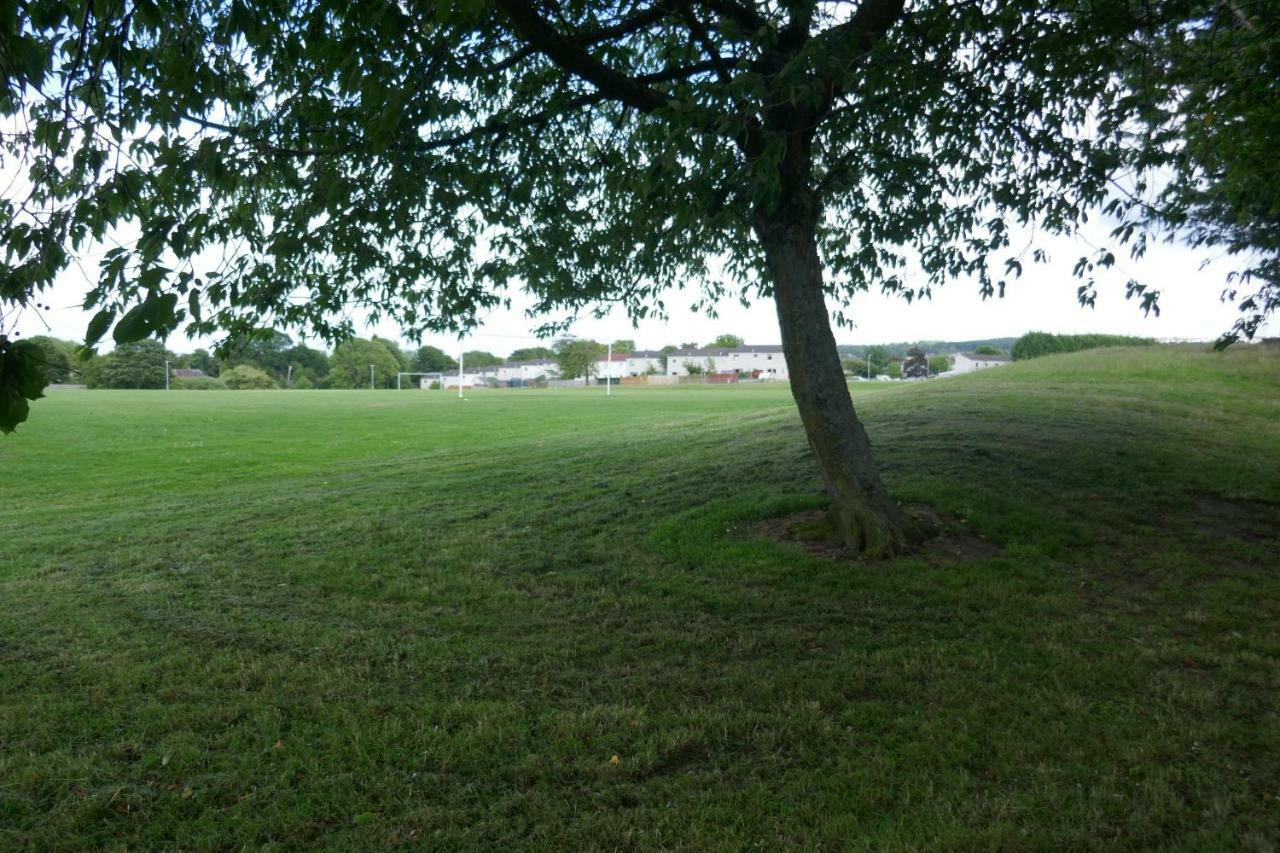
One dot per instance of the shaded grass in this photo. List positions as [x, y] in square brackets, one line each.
[362, 620]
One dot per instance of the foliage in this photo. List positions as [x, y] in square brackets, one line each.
[200, 359]
[267, 349]
[532, 354]
[1214, 83]
[988, 349]
[429, 359]
[1035, 344]
[140, 364]
[893, 369]
[939, 364]
[624, 345]
[915, 365]
[349, 365]
[694, 368]
[665, 353]
[205, 383]
[303, 383]
[878, 360]
[479, 358]
[22, 379]
[599, 155]
[303, 358]
[55, 357]
[899, 349]
[577, 358]
[726, 341]
[402, 359]
[246, 377]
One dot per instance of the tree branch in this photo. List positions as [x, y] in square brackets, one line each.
[573, 57]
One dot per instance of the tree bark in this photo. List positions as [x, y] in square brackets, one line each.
[869, 522]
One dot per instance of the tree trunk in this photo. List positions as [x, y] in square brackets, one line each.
[869, 522]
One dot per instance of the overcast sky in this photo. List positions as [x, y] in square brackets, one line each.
[1043, 299]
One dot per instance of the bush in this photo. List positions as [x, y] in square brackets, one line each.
[303, 383]
[1036, 344]
[198, 383]
[246, 378]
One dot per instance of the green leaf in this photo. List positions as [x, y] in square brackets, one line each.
[98, 327]
[133, 326]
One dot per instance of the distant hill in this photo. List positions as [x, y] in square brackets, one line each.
[898, 350]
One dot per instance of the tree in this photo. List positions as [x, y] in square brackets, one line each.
[479, 358]
[988, 349]
[915, 365]
[664, 354]
[532, 354]
[939, 364]
[694, 368]
[302, 359]
[726, 342]
[349, 365]
[893, 369]
[624, 345]
[577, 358]
[245, 377]
[1211, 84]
[201, 360]
[601, 152]
[875, 361]
[134, 365]
[428, 359]
[267, 349]
[397, 353]
[56, 357]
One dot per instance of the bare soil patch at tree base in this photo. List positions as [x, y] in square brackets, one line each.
[940, 537]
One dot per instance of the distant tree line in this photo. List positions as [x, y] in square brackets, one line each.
[1036, 344]
[271, 359]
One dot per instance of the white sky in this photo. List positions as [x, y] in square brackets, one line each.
[1043, 299]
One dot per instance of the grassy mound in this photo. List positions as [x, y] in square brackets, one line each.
[540, 618]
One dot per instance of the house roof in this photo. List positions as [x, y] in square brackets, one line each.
[644, 353]
[747, 349]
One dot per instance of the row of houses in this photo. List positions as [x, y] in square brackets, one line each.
[763, 362]
[760, 362]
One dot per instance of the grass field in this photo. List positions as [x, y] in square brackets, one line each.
[540, 619]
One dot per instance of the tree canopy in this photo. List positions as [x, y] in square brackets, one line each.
[429, 359]
[577, 358]
[726, 341]
[349, 365]
[415, 161]
[134, 365]
[531, 354]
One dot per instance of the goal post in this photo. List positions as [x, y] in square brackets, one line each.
[437, 376]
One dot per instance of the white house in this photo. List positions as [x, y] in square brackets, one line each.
[967, 362]
[643, 361]
[526, 371]
[614, 367]
[765, 359]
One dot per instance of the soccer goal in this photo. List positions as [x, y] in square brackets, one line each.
[428, 378]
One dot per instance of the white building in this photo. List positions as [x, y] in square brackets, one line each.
[764, 361]
[967, 362]
[644, 361]
[527, 371]
[614, 367]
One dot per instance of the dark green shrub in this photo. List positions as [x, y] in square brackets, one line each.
[1036, 344]
[198, 383]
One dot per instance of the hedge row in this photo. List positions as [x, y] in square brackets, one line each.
[1036, 344]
